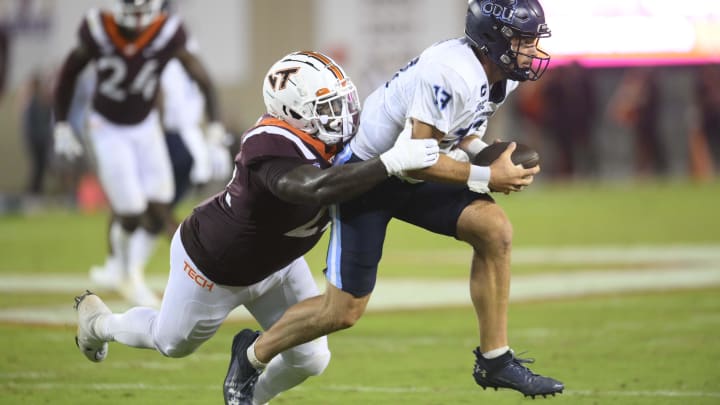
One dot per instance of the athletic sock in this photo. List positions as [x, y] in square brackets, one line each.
[259, 365]
[495, 353]
[119, 240]
[141, 246]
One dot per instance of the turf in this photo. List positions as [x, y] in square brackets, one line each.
[635, 349]
[659, 348]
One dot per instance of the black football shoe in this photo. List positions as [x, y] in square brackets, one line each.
[241, 375]
[508, 371]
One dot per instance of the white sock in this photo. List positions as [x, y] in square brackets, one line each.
[277, 378]
[141, 246]
[259, 365]
[495, 353]
[133, 328]
[119, 241]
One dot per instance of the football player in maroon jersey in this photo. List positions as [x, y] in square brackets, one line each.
[245, 245]
[129, 48]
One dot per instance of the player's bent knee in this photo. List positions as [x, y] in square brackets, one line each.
[316, 364]
[176, 348]
[309, 364]
[486, 227]
[341, 310]
[129, 222]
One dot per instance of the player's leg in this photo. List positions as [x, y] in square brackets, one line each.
[109, 274]
[153, 171]
[487, 229]
[477, 220]
[192, 310]
[356, 241]
[116, 167]
[292, 367]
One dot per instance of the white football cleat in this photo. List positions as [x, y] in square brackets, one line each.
[138, 293]
[89, 306]
[104, 276]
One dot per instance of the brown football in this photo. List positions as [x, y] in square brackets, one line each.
[522, 155]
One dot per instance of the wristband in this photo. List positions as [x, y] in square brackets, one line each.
[479, 179]
[474, 147]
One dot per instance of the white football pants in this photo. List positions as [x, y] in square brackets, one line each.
[193, 308]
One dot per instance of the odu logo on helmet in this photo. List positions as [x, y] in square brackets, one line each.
[498, 11]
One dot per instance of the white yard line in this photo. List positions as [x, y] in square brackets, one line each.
[345, 388]
[678, 267]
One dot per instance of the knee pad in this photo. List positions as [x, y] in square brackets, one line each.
[312, 362]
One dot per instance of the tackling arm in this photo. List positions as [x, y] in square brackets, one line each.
[307, 184]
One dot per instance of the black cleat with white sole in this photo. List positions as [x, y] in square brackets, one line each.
[508, 371]
[241, 377]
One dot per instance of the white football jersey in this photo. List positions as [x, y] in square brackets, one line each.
[446, 87]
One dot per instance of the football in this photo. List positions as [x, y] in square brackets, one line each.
[522, 155]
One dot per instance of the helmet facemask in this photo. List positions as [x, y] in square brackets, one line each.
[336, 117]
[508, 32]
[137, 14]
[536, 60]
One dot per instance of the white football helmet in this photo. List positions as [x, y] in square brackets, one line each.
[137, 14]
[311, 92]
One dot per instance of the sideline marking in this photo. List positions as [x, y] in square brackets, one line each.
[347, 388]
[391, 294]
[679, 267]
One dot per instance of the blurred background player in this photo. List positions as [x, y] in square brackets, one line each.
[195, 160]
[447, 93]
[130, 48]
[182, 106]
[245, 245]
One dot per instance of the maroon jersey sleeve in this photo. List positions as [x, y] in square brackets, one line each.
[265, 146]
[86, 40]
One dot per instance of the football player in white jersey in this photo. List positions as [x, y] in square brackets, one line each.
[447, 93]
[129, 47]
[245, 245]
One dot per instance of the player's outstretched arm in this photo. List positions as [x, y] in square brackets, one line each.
[196, 70]
[66, 143]
[65, 89]
[306, 184]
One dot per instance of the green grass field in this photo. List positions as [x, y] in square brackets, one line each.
[644, 347]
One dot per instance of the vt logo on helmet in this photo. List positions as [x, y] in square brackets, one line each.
[311, 92]
[508, 31]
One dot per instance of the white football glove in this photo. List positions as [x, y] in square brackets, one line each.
[410, 154]
[215, 133]
[66, 144]
[221, 162]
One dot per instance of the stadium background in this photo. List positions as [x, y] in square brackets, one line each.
[616, 277]
[239, 39]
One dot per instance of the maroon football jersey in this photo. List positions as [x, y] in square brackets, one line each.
[128, 70]
[245, 233]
